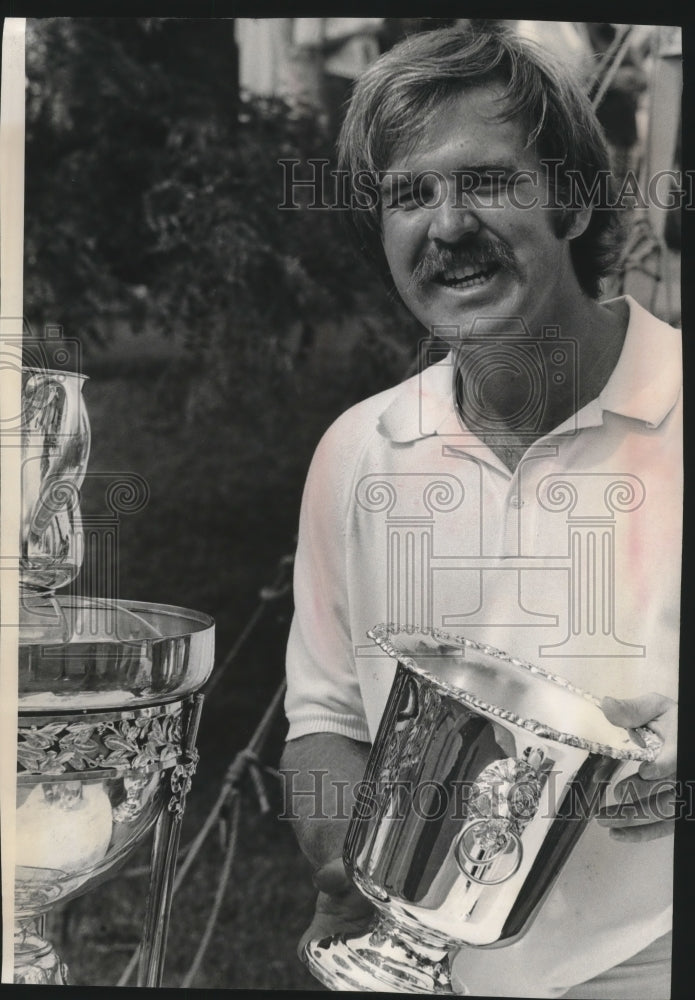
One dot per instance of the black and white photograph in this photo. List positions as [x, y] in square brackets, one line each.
[341, 504]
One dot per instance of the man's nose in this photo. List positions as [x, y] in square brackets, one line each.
[452, 221]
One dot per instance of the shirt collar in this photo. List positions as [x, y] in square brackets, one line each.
[423, 406]
[646, 382]
[644, 385]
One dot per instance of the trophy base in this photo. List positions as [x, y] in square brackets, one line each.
[36, 962]
[385, 959]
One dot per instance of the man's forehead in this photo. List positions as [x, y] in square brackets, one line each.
[472, 122]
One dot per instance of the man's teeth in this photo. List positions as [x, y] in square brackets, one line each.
[469, 274]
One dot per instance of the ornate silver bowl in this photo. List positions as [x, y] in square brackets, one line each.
[108, 714]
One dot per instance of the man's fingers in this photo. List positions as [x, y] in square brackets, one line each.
[636, 787]
[632, 712]
[332, 878]
[655, 809]
[327, 924]
[324, 927]
[642, 832]
[645, 810]
[660, 714]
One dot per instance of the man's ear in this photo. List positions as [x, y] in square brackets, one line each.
[576, 222]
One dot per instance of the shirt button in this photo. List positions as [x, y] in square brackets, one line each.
[516, 500]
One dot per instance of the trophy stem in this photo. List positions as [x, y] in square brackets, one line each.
[36, 962]
[386, 958]
[164, 850]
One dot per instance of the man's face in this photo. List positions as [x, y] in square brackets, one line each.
[453, 260]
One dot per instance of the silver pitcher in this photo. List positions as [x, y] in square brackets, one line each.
[55, 439]
[473, 798]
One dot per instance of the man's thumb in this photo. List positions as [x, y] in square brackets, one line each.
[332, 877]
[631, 712]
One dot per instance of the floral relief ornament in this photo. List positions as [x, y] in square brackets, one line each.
[122, 743]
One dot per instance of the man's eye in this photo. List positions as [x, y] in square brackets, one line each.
[482, 185]
[405, 198]
[422, 195]
[492, 183]
[429, 193]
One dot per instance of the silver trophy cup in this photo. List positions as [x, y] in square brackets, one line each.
[475, 793]
[109, 702]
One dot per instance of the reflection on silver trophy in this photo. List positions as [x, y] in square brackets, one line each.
[473, 798]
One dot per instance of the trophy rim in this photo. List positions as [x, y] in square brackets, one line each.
[62, 372]
[382, 635]
[83, 602]
[64, 621]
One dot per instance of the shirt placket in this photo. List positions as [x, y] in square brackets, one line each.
[514, 502]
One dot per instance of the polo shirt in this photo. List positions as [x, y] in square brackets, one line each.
[571, 561]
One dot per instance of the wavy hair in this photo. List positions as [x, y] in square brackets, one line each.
[402, 91]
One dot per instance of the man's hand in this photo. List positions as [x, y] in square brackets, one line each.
[340, 907]
[646, 801]
[321, 824]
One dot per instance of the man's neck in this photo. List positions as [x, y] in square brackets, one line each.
[532, 385]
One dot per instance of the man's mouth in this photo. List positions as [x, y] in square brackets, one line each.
[468, 276]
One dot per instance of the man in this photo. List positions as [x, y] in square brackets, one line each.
[552, 417]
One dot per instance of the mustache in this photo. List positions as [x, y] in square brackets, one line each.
[480, 254]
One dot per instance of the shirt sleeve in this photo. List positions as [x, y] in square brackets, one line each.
[323, 693]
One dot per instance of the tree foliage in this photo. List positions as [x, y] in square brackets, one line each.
[152, 194]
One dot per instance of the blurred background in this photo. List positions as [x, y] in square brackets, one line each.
[221, 336]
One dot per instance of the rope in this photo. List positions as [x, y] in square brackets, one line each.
[613, 69]
[219, 895]
[130, 968]
[606, 62]
[280, 586]
[245, 761]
